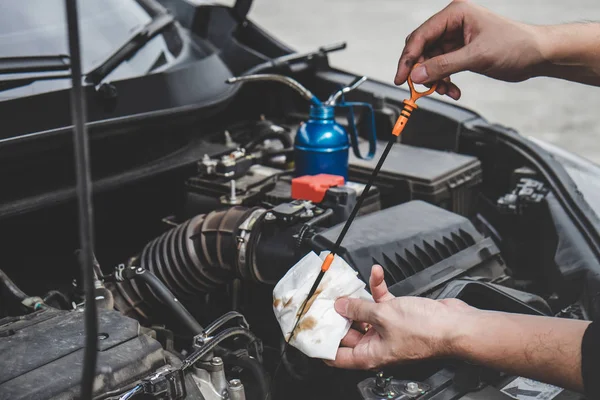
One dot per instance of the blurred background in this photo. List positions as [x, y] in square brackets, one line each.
[563, 113]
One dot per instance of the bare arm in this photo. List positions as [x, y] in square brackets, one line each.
[571, 52]
[547, 349]
[468, 37]
[411, 328]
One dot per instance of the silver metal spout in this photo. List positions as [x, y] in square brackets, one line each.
[304, 92]
[334, 97]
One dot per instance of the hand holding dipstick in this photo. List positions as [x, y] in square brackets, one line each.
[409, 106]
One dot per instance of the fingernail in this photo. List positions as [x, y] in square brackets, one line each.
[341, 305]
[419, 74]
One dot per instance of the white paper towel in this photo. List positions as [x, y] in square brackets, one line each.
[321, 328]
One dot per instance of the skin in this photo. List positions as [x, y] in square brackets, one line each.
[467, 37]
[405, 329]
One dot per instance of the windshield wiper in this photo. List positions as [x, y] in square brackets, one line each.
[6, 84]
[34, 68]
[18, 65]
[46, 67]
[131, 46]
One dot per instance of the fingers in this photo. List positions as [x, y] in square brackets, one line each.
[379, 289]
[442, 66]
[453, 91]
[445, 22]
[346, 358]
[362, 327]
[359, 310]
[446, 87]
[352, 338]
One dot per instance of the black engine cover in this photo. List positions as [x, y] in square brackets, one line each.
[419, 246]
[41, 354]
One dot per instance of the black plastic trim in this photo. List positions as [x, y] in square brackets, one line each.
[428, 279]
[563, 187]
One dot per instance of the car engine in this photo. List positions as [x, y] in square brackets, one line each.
[187, 261]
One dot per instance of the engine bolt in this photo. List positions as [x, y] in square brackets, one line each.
[270, 217]
[236, 390]
[216, 362]
[413, 388]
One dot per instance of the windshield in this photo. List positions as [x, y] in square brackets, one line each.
[38, 27]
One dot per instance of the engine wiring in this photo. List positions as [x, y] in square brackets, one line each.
[128, 395]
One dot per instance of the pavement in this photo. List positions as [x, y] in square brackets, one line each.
[563, 113]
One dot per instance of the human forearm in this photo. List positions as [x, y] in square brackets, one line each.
[467, 37]
[405, 329]
[570, 51]
[542, 348]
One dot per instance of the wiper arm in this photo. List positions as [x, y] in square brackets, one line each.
[6, 84]
[18, 65]
[48, 64]
[34, 68]
[131, 46]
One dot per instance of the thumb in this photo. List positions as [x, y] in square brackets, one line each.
[379, 289]
[358, 310]
[442, 66]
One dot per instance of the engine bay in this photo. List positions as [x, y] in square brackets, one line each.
[187, 257]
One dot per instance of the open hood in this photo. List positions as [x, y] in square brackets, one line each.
[206, 52]
[196, 215]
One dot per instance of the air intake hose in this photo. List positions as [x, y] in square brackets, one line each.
[198, 256]
[203, 254]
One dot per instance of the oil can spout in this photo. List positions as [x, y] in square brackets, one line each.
[353, 85]
[304, 92]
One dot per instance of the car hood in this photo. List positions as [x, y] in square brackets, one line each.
[194, 85]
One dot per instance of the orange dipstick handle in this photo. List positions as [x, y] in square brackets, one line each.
[327, 262]
[410, 105]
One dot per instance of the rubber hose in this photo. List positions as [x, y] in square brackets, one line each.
[12, 288]
[182, 314]
[59, 297]
[223, 319]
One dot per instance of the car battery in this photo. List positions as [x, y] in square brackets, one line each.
[445, 179]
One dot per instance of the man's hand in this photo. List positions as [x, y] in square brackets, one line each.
[412, 328]
[402, 329]
[468, 37]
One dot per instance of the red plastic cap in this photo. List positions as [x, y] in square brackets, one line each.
[313, 187]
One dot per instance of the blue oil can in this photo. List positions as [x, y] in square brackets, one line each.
[322, 144]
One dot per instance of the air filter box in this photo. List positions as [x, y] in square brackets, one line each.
[414, 173]
[419, 246]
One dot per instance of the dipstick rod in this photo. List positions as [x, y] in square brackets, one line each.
[409, 106]
[336, 247]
